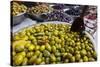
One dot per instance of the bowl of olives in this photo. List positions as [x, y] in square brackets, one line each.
[51, 43]
[18, 12]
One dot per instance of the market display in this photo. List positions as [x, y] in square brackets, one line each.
[41, 34]
[51, 44]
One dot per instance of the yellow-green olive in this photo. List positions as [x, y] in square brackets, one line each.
[53, 58]
[48, 47]
[83, 52]
[77, 57]
[32, 59]
[42, 48]
[29, 54]
[72, 59]
[85, 59]
[31, 47]
[38, 61]
[25, 60]
[18, 59]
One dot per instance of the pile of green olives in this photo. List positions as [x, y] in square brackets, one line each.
[40, 9]
[51, 44]
[18, 8]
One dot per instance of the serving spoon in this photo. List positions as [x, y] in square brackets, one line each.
[78, 23]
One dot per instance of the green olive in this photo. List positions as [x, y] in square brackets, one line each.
[42, 48]
[88, 48]
[77, 52]
[18, 59]
[46, 53]
[69, 55]
[31, 37]
[83, 46]
[56, 32]
[91, 45]
[78, 43]
[67, 50]
[71, 50]
[85, 59]
[95, 55]
[66, 37]
[53, 58]
[57, 40]
[81, 60]
[31, 47]
[29, 54]
[53, 49]
[77, 56]
[91, 59]
[76, 48]
[70, 43]
[40, 55]
[48, 47]
[72, 59]
[38, 61]
[82, 40]
[19, 47]
[32, 59]
[83, 52]
[37, 53]
[37, 47]
[34, 41]
[52, 42]
[64, 54]
[25, 60]
[27, 45]
[62, 50]
[22, 53]
[89, 54]
[58, 59]
[86, 42]
[57, 54]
